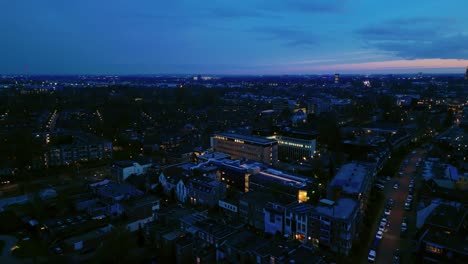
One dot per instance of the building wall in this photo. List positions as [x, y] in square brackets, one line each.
[274, 220]
[295, 148]
[134, 226]
[337, 234]
[252, 214]
[239, 179]
[123, 173]
[196, 196]
[69, 154]
[181, 192]
[167, 186]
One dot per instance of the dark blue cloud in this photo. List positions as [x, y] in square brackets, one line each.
[418, 38]
[447, 47]
[288, 36]
[306, 6]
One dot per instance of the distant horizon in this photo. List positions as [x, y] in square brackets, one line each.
[379, 68]
[232, 74]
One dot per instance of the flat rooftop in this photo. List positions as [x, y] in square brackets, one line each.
[447, 216]
[249, 139]
[341, 209]
[351, 177]
[214, 155]
[280, 177]
[451, 242]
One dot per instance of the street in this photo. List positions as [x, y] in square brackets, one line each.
[391, 238]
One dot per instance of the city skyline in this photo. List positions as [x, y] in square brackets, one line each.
[245, 37]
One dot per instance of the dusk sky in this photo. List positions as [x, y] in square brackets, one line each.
[232, 37]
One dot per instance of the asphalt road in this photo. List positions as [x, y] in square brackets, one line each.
[391, 238]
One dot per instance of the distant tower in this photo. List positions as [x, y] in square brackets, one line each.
[466, 73]
[337, 77]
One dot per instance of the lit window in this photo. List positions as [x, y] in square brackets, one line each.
[433, 249]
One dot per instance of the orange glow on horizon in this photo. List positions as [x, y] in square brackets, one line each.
[395, 64]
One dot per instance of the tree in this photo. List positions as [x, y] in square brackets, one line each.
[449, 118]
[140, 237]
[329, 131]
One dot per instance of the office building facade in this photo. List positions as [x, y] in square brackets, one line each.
[246, 147]
[295, 145]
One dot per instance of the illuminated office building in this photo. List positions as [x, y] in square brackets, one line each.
[295, 145]
[246, 147]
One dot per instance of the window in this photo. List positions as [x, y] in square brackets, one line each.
[433, 249]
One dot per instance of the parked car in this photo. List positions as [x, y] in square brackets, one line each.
[58, 250]
[372, 255]
[381, 181]
[384, 220]
[396, 256]
[404, 227]
[379, 234]
[382, 227]
[387, 212]
[408, 206]
[390, 203]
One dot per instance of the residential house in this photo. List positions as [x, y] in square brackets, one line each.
[121, 170]
[297, 221]
[353, 180]
[140, 213]
[274, 214]
[240, 247]
[251, 206]
[116, 192]
[91, 239]
[445, 236]
[204, 190]
[173, 181]
[333, 224]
